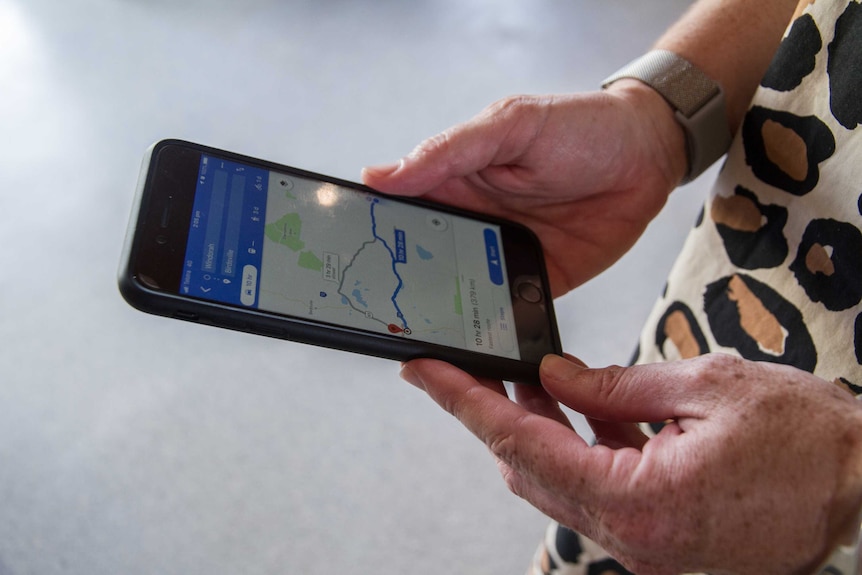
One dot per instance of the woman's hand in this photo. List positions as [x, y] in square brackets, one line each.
[585, 172]
[757, 470]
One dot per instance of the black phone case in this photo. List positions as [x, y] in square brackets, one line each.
[157, 302]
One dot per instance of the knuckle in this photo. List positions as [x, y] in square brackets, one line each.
[508, 103]
[436, 144]
[516, 105]
[513, 480]
[454, 403]
[711, 368]
[504, 444]
[608, 383]
[720, 360]
[521, 110]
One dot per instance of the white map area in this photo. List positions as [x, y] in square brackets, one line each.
[341, 257]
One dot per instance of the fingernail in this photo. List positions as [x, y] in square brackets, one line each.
[557, 365]
[553, 362]
[410, 376]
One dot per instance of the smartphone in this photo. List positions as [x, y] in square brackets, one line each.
[227, 240]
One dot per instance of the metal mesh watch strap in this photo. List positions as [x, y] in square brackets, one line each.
[698, 102]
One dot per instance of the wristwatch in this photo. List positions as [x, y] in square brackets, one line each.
[697, 100]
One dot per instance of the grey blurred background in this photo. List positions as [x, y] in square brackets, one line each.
[136, 444]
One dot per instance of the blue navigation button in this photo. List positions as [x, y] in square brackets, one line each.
[492, 251]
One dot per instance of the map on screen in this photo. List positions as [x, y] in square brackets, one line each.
[314, 250]
[353, 259]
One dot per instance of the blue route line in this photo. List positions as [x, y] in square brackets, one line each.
[394, 269]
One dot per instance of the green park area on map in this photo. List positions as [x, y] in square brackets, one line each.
[287, 231]
[310, 261]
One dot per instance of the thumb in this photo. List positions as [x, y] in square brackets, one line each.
[496, 136]
[653, 392]
[457, 152]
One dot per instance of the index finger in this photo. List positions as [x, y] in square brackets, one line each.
[547, 451]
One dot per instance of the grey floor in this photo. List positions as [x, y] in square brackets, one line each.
[134, 444]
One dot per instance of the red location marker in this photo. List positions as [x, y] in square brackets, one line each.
[395, 329]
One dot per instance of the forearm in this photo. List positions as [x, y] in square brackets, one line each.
[733, 42]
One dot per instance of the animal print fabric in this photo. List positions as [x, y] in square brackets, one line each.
[772, 270]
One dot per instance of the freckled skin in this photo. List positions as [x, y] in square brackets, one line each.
[761, 459]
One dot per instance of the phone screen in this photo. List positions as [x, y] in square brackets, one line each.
[315, 250]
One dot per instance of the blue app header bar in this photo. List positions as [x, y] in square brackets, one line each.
[225, 243]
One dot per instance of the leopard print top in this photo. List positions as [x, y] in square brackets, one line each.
[772, 270]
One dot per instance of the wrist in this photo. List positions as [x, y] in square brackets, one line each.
[846, 524]
[697, 101]
[666, 134]
[841, 553]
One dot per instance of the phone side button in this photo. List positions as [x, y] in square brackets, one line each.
[186, 315]
[231, 323]
[270, 331]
